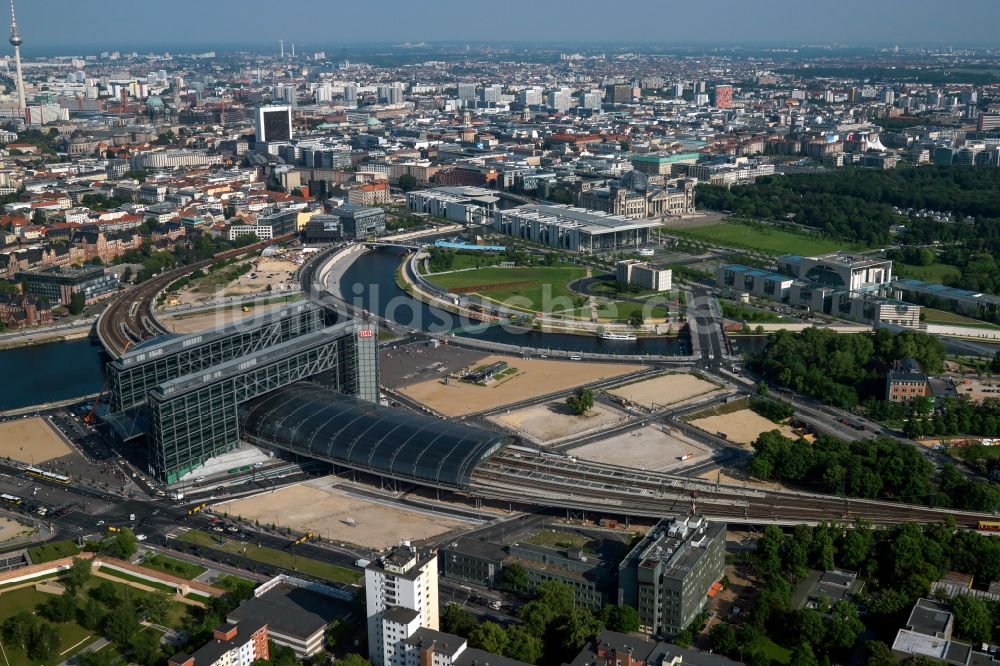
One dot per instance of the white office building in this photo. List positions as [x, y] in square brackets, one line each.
[638, 274]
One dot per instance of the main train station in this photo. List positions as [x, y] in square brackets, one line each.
[291, 381]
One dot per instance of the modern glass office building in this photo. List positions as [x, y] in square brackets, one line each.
[194, 417]
[165, 358]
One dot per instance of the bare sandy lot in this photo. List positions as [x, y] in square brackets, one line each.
[664, 390]
[275, 272]
[553, 420]
[11, 529]
[203, 321]
[31, 441]
[742, 427]
[648, 448]
[535, 377]
[317, 507]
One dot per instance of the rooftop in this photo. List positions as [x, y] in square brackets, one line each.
[291, 611]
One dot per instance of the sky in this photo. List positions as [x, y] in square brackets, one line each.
[322, 24]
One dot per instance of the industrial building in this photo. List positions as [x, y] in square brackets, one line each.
[669, 575]
[463, 204]
[58, 284]
[570, 228]
[635, 273]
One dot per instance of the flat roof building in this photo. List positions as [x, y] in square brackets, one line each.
[667, 575]
[401, 594]
[465, 204]
[58, 284]
[570, 228]
[359, 222]
[635, 273]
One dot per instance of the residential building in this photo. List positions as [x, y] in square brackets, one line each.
[231, 645]
[58, 284]
[369, 194]
[19, 311]
[644, 276]
[906, 381]
[612, 648]
[723, 97]
[297, 612]
[668, 575]
[401, 593]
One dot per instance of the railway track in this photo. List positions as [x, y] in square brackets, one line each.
[129, 319]
[554, 481]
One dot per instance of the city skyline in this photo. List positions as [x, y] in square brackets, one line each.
[112, 23]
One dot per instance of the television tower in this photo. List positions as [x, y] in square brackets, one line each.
[15, 40]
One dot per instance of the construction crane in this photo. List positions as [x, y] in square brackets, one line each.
[89, 417]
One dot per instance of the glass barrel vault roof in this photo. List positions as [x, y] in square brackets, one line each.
[314, 421]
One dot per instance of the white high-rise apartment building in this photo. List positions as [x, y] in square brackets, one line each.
[401, 593]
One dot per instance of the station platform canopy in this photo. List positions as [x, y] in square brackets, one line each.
[318, 422]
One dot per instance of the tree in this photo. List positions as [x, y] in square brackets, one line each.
[879, 654]
[122, 544]
[78, 574]
[106, 593]
[803, 655]
[581, 401]
[353, 659]
[522, 645]
[58, 608]
[77, 302]
[91, 614]
[623, 619]
[121, 622]
[573, 630]
[515, 577]
[95, 658]
[456, 620]
[44, 642]
[127, 274]
[489, 636]
[407, 182]
[844, 625]
[340, 631]
[536, 617]
[144, 648]
[18, 629]
[635, 319]
[810, 627]
[723, 638]
[973, 621]
[155, 606]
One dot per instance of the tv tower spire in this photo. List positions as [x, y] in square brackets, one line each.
[15, 40]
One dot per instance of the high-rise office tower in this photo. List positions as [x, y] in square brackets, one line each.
[351, 94]
[274, 123]
[467, 93]
[15, 40]
[490, 94]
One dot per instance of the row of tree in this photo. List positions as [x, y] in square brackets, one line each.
[878, 468]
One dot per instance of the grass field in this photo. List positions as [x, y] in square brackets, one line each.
[774, 652]
[622, 310]
[169, 565]
[278, 558]
[766, 239]
[933, 273]
[547, 293]
[52, 551]
[25, 599]
[932, 316]
[121, 575]
[559, 540]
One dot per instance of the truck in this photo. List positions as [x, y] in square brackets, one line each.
[362, 563]
[176, 495]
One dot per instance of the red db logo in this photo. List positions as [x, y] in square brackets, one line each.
[366, 333]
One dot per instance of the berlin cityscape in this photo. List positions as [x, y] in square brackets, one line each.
[456, 333]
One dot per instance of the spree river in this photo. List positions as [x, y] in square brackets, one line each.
[370, 283]
[50, 372]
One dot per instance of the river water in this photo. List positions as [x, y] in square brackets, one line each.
[370, 283]
[50, 372]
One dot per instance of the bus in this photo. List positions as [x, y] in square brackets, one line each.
[10, 499]
[989, 525]
[48, 476]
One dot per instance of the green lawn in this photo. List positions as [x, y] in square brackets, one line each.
[232, 583]
[620, 310]
[558, 540]
[932, 273]
[774, 652]
[932, 316]
[547, 291]
[279, 558]
[121, 575]
[25, 599]
[766, 239]
[173, 567]
[52, 551]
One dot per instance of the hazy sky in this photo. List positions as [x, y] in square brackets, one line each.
[320, 24]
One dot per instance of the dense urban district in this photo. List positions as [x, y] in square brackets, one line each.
[487, 354]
